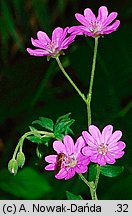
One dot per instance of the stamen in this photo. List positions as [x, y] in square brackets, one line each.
[70, 161]
[102, 149]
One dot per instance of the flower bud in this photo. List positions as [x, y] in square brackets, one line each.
[39, 153]
[20, 159]
[13, 166]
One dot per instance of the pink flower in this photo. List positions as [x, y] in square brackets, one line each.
[95, 27]
[51, 47]
[69, 159]
[103, 147]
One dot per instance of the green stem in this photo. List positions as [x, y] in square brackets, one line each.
[97, 176]
[20, 143]
[85, 180]
[93, 194]
[70, 80]
[89, 96]
[92, 187]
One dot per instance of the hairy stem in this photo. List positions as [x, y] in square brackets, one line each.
[21, 140]
[92, 187]
[70, 80]
[89, 96]
[97, 176]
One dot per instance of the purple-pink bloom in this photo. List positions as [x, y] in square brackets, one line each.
[69, 158]
[95, 27]
[103, 148]
[51, 47]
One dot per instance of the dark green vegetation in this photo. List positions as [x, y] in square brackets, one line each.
[31, 87]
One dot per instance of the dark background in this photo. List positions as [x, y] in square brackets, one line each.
[31, 87]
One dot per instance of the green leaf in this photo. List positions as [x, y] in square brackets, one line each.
[45, 122]
[111, 171]
[92, 172]
[33, 129]
[71, 196]
[39, 139]
[27, 184]
[63, 118]
[62, 126]
[34, 139]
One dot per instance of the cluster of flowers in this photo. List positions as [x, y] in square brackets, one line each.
[93, 146]
[90, 26]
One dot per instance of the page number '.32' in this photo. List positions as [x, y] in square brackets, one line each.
[122, 208]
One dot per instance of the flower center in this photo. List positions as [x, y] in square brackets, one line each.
[102, 149]
[95, 28]
[52, 48]
[70, 161]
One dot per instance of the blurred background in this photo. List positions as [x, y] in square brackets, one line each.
[31, 87]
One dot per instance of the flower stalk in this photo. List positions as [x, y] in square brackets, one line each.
[92, 187]
[21, 140]
[97, 176]
[89, 96]
[70, 80]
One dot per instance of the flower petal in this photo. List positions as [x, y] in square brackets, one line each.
[76, 30]
[70, 173]
[69, 144]
[65, 32]
[89, 15]
[121, 145]
[80, 168]
[109, 158]
[95, 132]
[94, 158]
[50, 167]
[89, 139]
[81, 19]
[110, 18]
[38, 44]
[118, 154]
[101, 160]
[58, 146]
[86, 151]
[112, 27]
[51, 158]
[38, 52]
[83, 159]
[102, 13]
[43, 37]
[114, 137]
[79, 144]
[61, 174]
[56, 36]
[67, 42]
[106, 133]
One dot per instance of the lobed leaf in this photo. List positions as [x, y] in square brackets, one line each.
[45, 122]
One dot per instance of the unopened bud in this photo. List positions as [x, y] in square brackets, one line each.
[20, 159]
[39, 153]
[13, 166]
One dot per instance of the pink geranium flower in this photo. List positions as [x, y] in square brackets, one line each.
[103, 147]
[69, 159]
[51, 47]
[95, 27]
